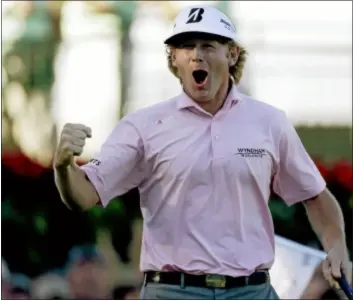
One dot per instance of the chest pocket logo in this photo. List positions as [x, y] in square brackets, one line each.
[251, 152]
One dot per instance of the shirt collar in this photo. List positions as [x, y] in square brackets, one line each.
[233, 98]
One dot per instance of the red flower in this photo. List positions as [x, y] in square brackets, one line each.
[21, 164]
[322, 167]
[342, 172]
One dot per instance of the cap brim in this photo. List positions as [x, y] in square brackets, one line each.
[180, 37]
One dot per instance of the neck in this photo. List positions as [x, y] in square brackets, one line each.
[215, 104]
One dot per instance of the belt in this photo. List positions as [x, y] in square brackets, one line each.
[208, 280]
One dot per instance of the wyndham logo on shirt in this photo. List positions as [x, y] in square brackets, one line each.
[251, 152]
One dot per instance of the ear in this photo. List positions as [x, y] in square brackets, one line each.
[233, 56]
[173, 57]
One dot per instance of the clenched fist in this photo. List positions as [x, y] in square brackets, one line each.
[72, 141]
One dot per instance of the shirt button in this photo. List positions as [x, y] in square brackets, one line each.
[216, 137]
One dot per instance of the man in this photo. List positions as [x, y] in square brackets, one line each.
[205, 162]
[86, 273]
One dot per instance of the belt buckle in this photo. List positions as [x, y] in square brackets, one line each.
[216, 281]
[157, 277]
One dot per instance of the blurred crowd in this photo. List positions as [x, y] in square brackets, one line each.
[84, 277]
[50, 252]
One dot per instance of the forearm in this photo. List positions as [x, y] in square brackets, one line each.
[76, 191]
[326, 218]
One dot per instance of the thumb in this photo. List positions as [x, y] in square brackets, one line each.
[72, 160]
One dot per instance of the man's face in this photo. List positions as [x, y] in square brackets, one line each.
[203, 66]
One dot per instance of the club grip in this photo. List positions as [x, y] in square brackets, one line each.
[345, 286]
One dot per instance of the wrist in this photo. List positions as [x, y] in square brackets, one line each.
[332, 238]
[60, 167]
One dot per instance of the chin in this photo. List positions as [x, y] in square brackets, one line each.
[201, 96]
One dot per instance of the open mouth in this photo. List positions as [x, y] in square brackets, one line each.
[200, 76]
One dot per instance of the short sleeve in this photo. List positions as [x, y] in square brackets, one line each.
[117, 167]
[297, 178]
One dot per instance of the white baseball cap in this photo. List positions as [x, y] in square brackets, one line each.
[202, 19]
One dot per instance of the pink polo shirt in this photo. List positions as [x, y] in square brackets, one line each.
[205, 181]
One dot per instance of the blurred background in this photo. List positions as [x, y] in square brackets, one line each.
[92, 62]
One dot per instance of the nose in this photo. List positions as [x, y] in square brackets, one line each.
[197, 54]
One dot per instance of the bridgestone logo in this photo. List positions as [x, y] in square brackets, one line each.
[227, 25]
[251, 152]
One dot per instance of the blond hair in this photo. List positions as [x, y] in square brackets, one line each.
[235, 71]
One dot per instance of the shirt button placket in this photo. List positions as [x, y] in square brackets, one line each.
[216, 145]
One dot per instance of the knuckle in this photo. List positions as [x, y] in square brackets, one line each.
[68, 126]
[78, 150]
[65, 130]
[79, 126]
[79, 142]
[65, 137]
[80, 134]
[67, 147]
